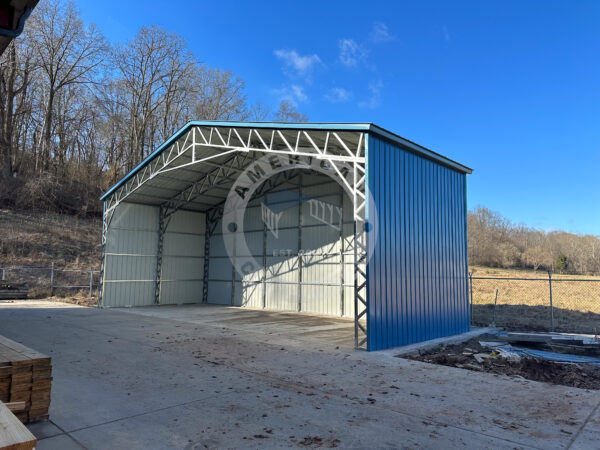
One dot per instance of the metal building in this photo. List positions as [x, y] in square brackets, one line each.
[348, 220]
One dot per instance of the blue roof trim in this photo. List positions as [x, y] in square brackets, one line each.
[369, 127]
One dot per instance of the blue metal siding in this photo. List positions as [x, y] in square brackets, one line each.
[417, 273]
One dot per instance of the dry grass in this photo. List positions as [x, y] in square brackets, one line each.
[480, 271]
[525, 303]
[37, 239]
[30, 242]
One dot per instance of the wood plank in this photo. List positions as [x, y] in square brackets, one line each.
[19, 396]
[33, 354]
[42, 384]
[15, 406]
[8, 356]
[13, 434]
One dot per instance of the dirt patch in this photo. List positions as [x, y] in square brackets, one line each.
[318, 442]
[78, 299]
[464, 356]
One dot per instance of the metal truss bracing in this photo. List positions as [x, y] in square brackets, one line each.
[163, 222]
[102, 253]
[212, 219]
[200, 166]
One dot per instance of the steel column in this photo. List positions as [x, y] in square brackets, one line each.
[299, 307]
[163, 222]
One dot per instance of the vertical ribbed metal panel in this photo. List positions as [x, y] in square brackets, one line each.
[417, 274]
[130, 256]
[279, 285]
[183, 259]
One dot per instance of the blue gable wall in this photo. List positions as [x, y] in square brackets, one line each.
[417, 274]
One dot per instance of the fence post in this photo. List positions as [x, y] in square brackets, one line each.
[495, 304]
[551, 305]
[471, 294]
[91, 280]
[52, 280]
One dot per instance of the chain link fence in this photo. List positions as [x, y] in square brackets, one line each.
[545, 303]
[50, 281]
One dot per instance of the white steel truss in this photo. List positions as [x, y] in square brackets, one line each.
[222, 152]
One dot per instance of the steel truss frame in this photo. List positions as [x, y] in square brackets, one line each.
[244, 145]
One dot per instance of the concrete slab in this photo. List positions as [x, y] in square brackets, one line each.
[44, 429]
[419, 347]
[61, 442]
[197, 377]
[589, 435]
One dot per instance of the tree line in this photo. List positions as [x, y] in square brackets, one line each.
[77, 113]
[494, 241]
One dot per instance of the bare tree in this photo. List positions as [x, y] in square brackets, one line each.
[16, 71]
[287, 112]
[494, 241]
[258, 112]
[68, 53]
[538, 256]
[220, 96]
[157, 72]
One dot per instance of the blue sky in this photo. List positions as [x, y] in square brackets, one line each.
[511, 89]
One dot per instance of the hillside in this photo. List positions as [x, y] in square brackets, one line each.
[38, 239]
[31, 242]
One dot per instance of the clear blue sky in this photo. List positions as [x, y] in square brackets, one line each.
[511, 89]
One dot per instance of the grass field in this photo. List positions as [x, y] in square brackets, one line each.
[524, 300]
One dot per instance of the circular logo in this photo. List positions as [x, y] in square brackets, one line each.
[246, 184]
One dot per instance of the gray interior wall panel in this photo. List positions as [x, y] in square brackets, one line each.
[180, 292]
[282, 296]
[217, 246]
[128, 293]
[303, 237]
[130, 256]
[121, 267]
[321, 299]
[252, 294]
[182, 268]
[219, 292]
[220, 269]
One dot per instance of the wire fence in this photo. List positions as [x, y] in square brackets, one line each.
[50, 281]
[545, 303]
[550, 303]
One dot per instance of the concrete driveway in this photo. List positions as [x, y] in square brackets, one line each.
[215, 377]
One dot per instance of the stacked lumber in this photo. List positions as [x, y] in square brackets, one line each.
[13, 434]
[13, 291]
[25, 376]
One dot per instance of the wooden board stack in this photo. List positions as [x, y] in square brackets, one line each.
[13, 291]
[25, 376]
